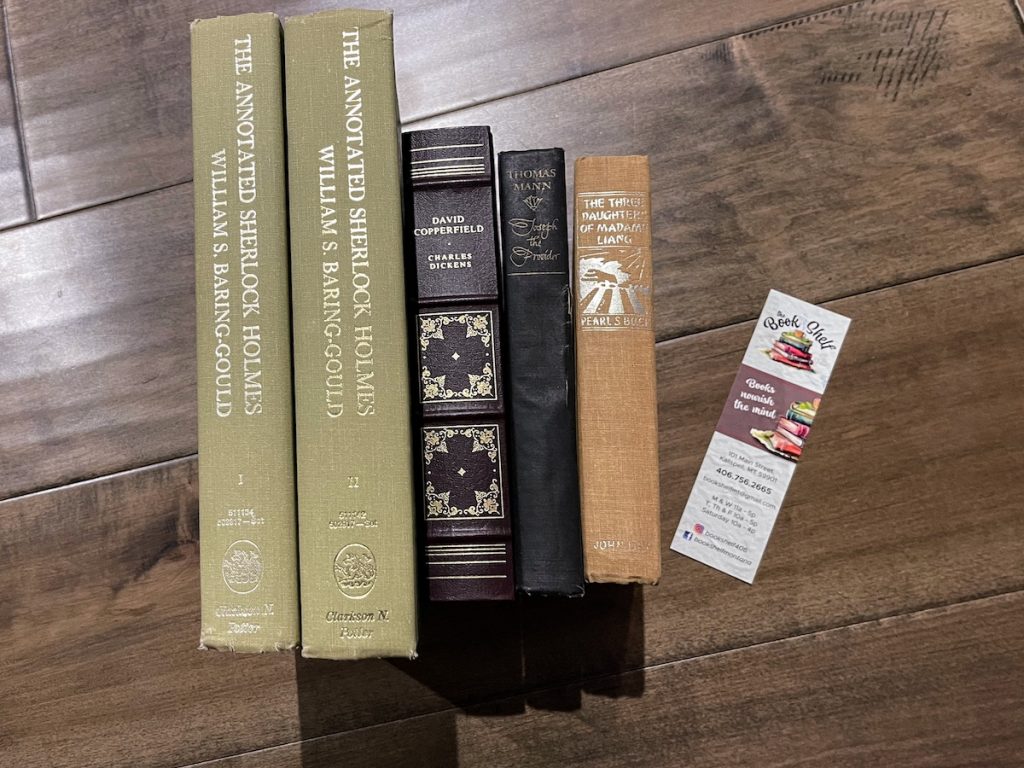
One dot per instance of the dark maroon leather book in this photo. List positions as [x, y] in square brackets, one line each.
[452, 243]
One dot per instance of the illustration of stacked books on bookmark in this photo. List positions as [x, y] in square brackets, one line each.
[792, 348]
[787, 439]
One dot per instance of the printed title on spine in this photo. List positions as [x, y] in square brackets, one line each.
[334, 295]
[244, 254]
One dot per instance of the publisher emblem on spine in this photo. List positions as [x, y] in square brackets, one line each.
[242, 567]
[355, 570]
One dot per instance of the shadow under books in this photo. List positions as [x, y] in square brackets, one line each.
[481, 659]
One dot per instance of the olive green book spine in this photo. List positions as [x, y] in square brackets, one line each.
[352, 409]
[249, 578]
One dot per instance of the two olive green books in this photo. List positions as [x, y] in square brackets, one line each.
[342, 317]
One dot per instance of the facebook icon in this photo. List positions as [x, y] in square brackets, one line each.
[687, 535]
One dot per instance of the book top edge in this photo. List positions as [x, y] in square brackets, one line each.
[518, 152]
[233, 18]
[358, 16]
[589, 159]
[419, 136]
[450, 155]
[625, 172]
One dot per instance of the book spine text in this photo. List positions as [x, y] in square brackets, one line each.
[463, 443]
[353, 438]
[541, 374]
[617, 394]
[244, 382]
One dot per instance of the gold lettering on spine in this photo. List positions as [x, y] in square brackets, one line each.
[248, 227]
[358, 230]
[330, 295]
[220, 277]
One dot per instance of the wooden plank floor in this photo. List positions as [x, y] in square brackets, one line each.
[865, 155]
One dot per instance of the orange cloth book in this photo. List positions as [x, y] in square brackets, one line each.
[617, 411]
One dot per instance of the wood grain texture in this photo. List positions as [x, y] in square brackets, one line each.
[97, 328]
[908, 500]
[830, 155]
[105, 84]
[100, 632]
[938, 688]
[763, 178]
[14, 207]
[834, 154]
[901, 463]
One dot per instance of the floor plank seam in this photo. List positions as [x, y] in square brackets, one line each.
[1018, 13]
[412, 120]
[998, 259]
[98, 478]
[661, 343]
[859, 642]
[798, 20]
[785, 21]
[51, 217]
[19, 123]
[589, 681]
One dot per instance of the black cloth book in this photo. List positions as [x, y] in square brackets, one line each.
[541, 372]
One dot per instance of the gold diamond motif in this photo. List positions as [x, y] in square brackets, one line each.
[481, 384]
[462, 472]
